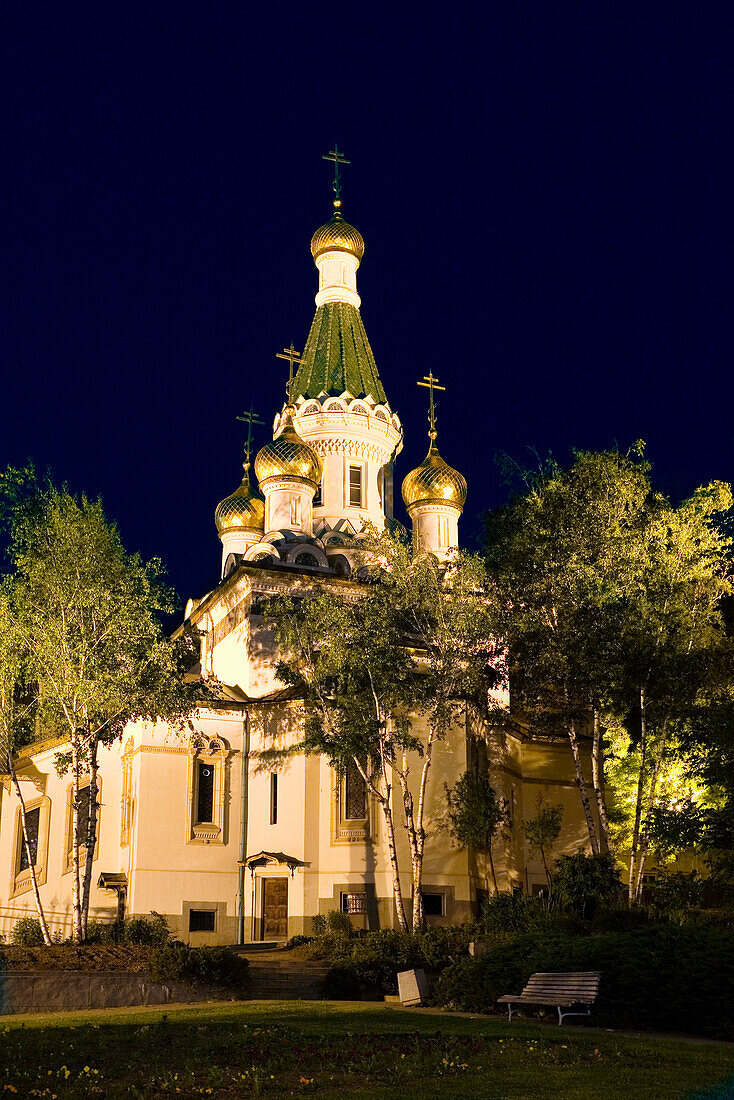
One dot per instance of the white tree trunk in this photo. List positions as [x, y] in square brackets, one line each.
[645, 839]
[77, 930]
[581, 782]
[91, 835]
[631, 891]
[597, 775]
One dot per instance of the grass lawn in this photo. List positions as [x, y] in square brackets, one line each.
[344, 1050]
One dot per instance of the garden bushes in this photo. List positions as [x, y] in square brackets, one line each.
[177, 962]
[372, 960]
[662, 977]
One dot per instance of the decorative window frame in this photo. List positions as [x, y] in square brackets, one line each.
[212, 750]
[67, 862]
[20, 881]
[345, 830]
[362, 465]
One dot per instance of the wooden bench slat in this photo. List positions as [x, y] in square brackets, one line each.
[557, 989]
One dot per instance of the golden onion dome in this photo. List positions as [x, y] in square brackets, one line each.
[434, 482]
[242, 511]
[288, 456]
[337, 236]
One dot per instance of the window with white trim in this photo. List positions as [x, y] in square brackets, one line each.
[355, 486]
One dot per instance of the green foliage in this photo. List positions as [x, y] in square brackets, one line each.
[86, 614]
[177, 961]
[318, 924]
[372, 960]
[663, 978]
[339, 922]
[513, 913]
[475, 812]
[614, 612]
[147, 931]
[582, 881]
[675, 891]
[542, 831]
[26, 932]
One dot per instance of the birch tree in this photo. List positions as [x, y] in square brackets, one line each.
[413, 642]
[343, 651]
[87, 615]
[563, 553]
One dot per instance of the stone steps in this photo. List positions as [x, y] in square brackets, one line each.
[286, 980]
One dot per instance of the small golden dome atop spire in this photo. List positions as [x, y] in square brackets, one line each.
[288, 456]
[242, 511]
[434, 482]
[337, 236]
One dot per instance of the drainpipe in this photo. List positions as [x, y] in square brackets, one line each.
[243, 821]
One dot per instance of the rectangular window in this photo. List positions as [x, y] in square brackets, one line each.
[296, 512]
[83, 804]
[355, 486]
[355, 793]
[274, 798]
[205, 792]
[354, 903]
[318, 497]
[33, 824]
[432, 904]
[201, 920]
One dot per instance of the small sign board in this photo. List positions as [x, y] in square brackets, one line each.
[412, 987]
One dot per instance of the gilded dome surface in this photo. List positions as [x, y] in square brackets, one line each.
[337, 236]
[288, 456]
[434, 481]
[240, 511]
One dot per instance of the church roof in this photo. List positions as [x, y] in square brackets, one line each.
[338, 356]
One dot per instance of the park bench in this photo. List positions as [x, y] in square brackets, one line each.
[557, 991]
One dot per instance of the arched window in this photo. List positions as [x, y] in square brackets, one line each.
[309, 560]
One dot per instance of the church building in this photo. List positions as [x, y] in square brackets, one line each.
[189, 826]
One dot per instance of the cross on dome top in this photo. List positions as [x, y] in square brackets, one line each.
[430, 382]
[249, 417]
[294, 359]
[336, 158]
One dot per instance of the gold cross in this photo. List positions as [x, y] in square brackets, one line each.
[249, 417]
[336, 158]
[294, 358]
[430, 383]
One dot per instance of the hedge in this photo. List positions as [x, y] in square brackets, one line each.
[664, 978]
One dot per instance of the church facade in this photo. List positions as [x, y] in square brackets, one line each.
[189, 826]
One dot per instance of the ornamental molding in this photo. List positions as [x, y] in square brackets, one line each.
[353, 448]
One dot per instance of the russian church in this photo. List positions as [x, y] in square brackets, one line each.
[189, 826]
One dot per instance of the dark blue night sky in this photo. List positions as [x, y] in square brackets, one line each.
[545, 192]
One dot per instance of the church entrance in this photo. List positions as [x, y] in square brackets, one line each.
[274, 909]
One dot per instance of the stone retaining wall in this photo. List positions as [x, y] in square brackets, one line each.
[63, 990]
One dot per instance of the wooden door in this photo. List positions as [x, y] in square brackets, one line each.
[275, 909]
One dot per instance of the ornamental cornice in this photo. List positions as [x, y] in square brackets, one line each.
[353, 448]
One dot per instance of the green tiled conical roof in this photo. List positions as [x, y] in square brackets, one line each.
[338, 356]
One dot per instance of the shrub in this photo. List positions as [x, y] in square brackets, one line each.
[105, 932]
[27, 933]
[150, 931]
[371, 961]
[176, 961]
[662, 977]
[339, 922]
[299, 941]
[318, 924]
[582, 881]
